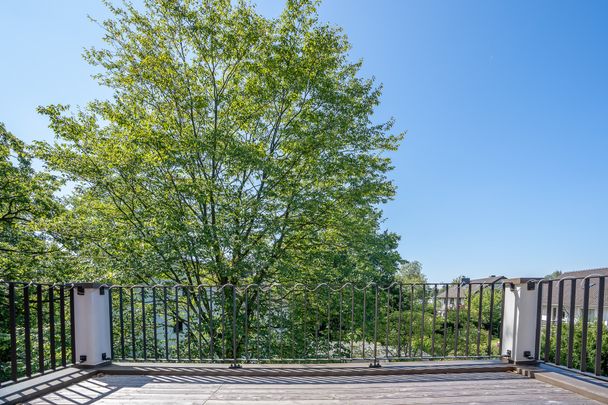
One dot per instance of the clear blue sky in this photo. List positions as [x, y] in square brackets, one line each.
[505, 167]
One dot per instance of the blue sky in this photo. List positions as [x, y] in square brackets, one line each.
[505, 166]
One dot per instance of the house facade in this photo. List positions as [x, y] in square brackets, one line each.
[578, 278]
[457, 296]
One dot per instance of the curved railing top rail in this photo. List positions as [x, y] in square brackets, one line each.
[569, 278]
[261, 286]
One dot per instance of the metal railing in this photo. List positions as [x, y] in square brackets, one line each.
[36, 329]
[298, 323]
[570, 323]
[253, 323]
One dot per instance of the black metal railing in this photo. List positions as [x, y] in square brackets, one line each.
[297, 323]
[570, 323]
[36, 329]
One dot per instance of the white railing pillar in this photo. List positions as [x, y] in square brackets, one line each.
[519, 320]
[92, 325]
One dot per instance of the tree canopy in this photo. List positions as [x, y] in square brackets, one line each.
[27, 202]
[236, 148]
[411, 272]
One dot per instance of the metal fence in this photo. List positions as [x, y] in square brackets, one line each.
[570, 323]
[254, 323]
[298, 323]
[36, 329]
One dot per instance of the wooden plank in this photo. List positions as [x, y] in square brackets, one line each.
[484, 388]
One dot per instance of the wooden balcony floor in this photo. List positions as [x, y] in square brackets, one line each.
[488, 387]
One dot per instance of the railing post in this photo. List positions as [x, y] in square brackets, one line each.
[91, 325]
[519, 320]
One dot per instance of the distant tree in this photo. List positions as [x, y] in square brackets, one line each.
[459, 279]
[411, 272]
[236, 148]
[553, 275]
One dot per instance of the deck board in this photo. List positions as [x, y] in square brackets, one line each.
[481, 388]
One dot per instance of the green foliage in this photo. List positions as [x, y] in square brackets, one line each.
[577, 346]
[554, 275]
[410, 272]
[27, 203]
[236, 148]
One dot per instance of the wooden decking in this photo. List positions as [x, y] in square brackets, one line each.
[487, 387]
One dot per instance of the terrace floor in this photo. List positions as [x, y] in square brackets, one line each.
[487, 387]
[418, 382]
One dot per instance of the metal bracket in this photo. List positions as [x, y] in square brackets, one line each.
[80, 290]
[375, 364]
[235, 366]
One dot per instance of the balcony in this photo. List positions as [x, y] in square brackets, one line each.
[84, 342]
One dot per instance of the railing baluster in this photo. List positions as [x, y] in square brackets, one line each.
[122, 322]
[445, 319]
[364, 320]
[305, 321]
[571, 322]
[154, 325]
[223, 323]
[186, 291]
[132, 307]
[72, 324]
[13, 329]
[27, 338]
[434, 324]
[62, 324]
[352, 319]
[52, 327]
[491, 318]
[234, 326]
[412, 300]
[502, 311]
[600, 325]
[388, 319]
[166, 320]
[400, 320]
[469, 296]
[40, 326]
[340, 326]
[177, 323]
[558, 327]
[548, 321]
[376, 326]
[585, 325]
[316, 331]
[422, 321]
[111, 323]
[200, 322]
[258, 297]
[328, 322]
[143, 323]
[246, 326]
[539, 309]
[211, 330]
[456, 325]
[479, 313]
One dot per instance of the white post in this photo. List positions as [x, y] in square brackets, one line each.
[519, 320]
[92, 325]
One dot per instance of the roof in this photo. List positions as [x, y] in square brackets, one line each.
[578, 277]
[475, 284]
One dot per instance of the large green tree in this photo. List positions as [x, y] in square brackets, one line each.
[27, 202]
[236, 148]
